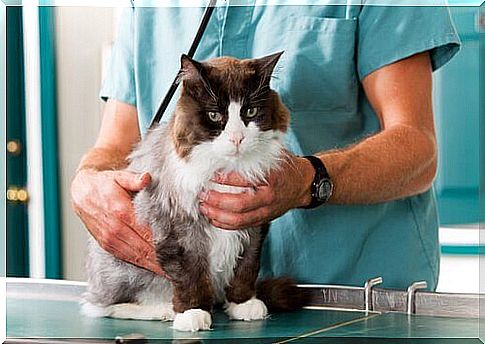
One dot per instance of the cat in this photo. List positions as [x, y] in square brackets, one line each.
[226, 119]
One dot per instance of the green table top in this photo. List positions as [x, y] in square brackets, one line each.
[32, 318]
[61, 319]
[50, 316]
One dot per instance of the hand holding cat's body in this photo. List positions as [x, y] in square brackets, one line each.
[103, 201]
[284, 189]
[100, 182]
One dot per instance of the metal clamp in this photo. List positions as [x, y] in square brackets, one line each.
[411, 309]
[134, 338]
[368, 292]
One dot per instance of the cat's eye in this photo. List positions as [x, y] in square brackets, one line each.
[252, 112]
[214, 116]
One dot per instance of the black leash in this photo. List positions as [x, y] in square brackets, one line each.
[171, 91]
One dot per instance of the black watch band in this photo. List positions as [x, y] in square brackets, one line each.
[322, 187]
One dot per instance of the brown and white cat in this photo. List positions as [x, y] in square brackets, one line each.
[226, 119]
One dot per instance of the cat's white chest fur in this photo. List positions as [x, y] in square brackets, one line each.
[226, 248]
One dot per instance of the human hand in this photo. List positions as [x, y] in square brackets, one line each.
[286, 188]
[103, 201]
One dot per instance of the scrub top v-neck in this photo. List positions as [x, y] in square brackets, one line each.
[328, 51]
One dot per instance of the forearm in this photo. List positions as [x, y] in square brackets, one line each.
[102, 159]
[395, 163]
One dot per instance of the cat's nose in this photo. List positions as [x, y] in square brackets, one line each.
[236, 138]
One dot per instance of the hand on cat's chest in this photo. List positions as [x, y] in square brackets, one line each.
[233, 203]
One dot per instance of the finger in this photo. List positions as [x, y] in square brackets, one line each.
[122, 208]
[124, 251]
[236, 220]
[141, 251]
[222, 225]
[142, 248]
[231, 178]
[128, 217]
[232, 228]
[121, 241]
[132, 181]
[144, 232]
[238, 203]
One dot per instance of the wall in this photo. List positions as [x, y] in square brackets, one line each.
[81, 35]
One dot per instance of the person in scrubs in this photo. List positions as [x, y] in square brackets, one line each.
[357, 81]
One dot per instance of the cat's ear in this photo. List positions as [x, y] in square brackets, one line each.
[189, 68]
[267, 64]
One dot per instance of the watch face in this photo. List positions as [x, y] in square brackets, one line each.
[324, 190]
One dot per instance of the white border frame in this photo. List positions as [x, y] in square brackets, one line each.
[35, 182]
[3, 174]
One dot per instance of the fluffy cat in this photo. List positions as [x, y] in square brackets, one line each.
[226, 119]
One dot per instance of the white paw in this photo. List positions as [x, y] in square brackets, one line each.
[192, 320]
[93, 311]
[252, 309]
[166, 312]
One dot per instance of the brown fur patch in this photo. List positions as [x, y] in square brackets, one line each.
[281, 294]
[186, 128]
[281, 114]
[242, 287]
[189, 273]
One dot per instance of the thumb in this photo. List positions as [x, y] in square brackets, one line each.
[133, 181]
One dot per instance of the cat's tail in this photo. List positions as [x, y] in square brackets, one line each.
[281, 294]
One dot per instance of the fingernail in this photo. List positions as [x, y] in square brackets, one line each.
[143, 176]
[220, 177]
[203, 209]
[203, 195]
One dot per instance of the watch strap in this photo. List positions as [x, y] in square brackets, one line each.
[320, 174]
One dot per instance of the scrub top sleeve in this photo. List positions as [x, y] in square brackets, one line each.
[119, 81]
[391, 33]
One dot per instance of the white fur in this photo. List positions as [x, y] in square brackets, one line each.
[226, 248]
[235, 129]
[160, 311]
[252, 309]
[159, 291]
[94, 311]
[192, 320]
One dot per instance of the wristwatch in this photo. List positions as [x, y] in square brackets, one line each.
[322, 186]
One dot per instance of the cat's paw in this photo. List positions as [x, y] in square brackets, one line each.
[252, 309]
[192, 320]
[166, 312]
[93, 311]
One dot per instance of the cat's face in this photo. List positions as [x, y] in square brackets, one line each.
[228, 104]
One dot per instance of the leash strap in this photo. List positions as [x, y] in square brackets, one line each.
[171, 91]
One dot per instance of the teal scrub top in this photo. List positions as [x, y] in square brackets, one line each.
[328, 51]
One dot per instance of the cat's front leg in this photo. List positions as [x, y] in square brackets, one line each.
[193, 295]
[242, 303]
